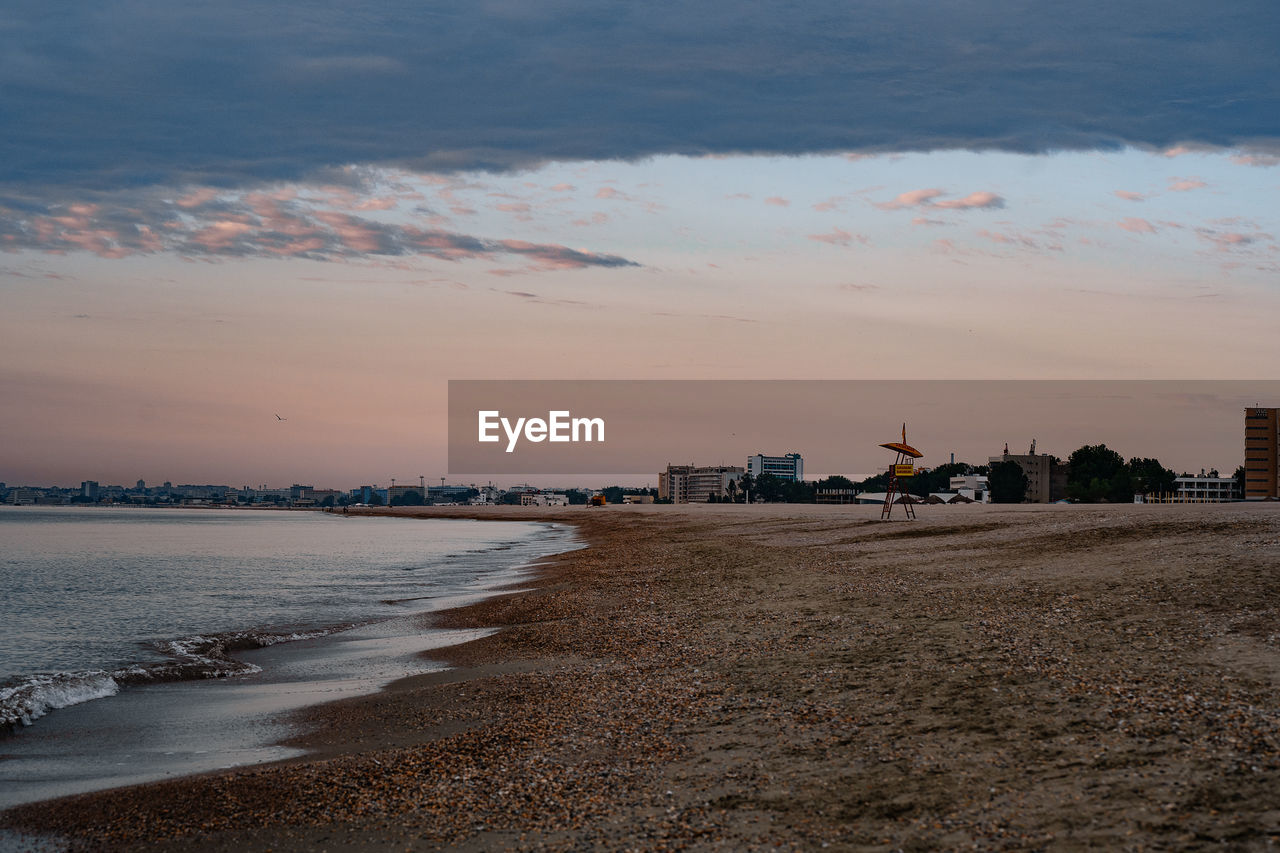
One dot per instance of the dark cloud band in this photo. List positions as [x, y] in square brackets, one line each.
[139, 92]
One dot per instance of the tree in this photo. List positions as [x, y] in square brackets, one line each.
[798, 492]
[835, 481]
[748, 485]
[878, 483]
[1239, 475]
[576, 497]
[1007, 483]
[1150, 477]
[1098, 473]
[732, 491]
[769, 488]
[613, 494]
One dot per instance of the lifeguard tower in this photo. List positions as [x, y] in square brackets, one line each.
[903, 467]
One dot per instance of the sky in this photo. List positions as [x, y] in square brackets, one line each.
[214, 215]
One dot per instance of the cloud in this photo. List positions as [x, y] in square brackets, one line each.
[234, 94]
[1257, 160]
[1136, 225]
[930, 198]
[1226, 241]
[972, 200]
[839, 237]
[910, 199]
[1182, 185]
[1008, 239]
[224, 225]
[777, 201]
[1129, 196]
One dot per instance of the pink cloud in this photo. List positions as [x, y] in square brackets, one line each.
[972, 201]
[597, 218]
[355, 234]
[1185, 185]
[839, 237]
[197, 198]
[1256, 160]
[563, 188]
[928, 198]
[610, 192]
[910, 199]
[920, 220]
[1009, 239]
[777, 201]
[383, 203]
[219, 236]
[263, 225]
[1137, 226]
[1128, 196]
[1225, 241]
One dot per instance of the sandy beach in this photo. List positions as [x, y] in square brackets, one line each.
[799, 677]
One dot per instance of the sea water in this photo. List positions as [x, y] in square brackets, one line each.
[158, 613]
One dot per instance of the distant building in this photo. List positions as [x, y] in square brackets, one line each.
[319, 496]
[447, 494]
[1261, 436]
[544, 499]
[1205, 489]
[89, 489]
[22, 496]
[1046, 476]
[362, 494]
[788, 467]
[971, 486]
[834, 496]
[637, 499]
[684, 484]
[399, 493]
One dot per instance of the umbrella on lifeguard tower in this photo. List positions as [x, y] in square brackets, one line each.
[903, 467]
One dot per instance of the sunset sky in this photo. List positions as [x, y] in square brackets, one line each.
[212, 214]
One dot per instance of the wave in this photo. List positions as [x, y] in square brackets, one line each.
[28, 698]
[33, 697]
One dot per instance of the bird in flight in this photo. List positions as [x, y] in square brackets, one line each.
[279, 418]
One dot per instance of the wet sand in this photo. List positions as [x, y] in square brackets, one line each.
[800, 676]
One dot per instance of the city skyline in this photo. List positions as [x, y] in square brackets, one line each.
[261, 242]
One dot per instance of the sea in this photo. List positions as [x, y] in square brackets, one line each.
[139, 644]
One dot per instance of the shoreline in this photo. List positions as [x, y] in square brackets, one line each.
[787, 676]
[171, 718]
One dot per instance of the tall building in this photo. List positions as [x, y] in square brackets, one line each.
[685, 484]
[89, 489]
[1046, 476]
[1261, 431]
[788, 467]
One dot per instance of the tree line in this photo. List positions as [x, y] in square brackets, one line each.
[1095, 474]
